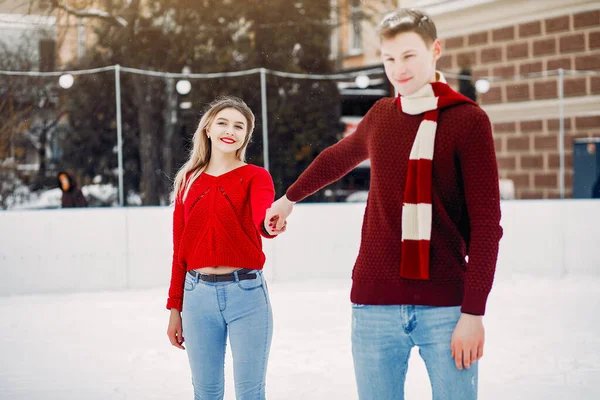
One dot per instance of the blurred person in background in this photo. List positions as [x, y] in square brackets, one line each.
[72, 196]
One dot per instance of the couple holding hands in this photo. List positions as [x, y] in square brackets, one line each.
[429, 240]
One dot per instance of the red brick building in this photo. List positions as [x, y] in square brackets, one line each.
[508, 41]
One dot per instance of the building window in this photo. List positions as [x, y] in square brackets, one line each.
[354, 23]
[334, 50]
[425, 3]
[435, 7]
[47, 55]
[81, 39]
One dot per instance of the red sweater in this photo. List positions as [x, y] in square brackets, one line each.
[465, 206]
[220, 224]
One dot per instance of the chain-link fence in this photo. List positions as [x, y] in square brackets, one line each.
[123, 132]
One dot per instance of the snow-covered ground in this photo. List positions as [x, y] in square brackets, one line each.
[97, 195]
[542, 336]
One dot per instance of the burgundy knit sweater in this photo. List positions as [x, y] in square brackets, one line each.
[465, 206]
[220, 224]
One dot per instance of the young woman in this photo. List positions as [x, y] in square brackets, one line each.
[217, 285]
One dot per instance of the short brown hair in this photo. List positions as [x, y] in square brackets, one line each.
[407, 20]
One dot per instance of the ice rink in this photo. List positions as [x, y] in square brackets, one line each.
[542, 342]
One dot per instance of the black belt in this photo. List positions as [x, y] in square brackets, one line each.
[242, 276]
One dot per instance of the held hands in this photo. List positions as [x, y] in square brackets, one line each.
[276, 216]
[467, 340]
[175, 330]
[271, 226]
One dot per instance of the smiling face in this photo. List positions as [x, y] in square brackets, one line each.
[228, 131]
[409, 62]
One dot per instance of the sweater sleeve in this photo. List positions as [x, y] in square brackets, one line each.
[479, 169]
[333, 163]
[262, 194]
[178, 270]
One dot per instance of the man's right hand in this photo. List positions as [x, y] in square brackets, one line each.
[279, 211]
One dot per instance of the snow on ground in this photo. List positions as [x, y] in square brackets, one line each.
[542, 343]
[97, 195]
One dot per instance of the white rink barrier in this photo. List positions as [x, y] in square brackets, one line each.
[45, 251]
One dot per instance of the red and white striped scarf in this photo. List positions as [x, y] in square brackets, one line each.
[416, 210]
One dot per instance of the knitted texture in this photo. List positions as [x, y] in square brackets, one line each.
[416, 209]
[465, 206]
[220, 224]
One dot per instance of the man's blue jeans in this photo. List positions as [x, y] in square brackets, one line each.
[382, 338]
[211, 311]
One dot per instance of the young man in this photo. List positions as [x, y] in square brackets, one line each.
[432, 223]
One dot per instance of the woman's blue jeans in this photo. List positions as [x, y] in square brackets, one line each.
[211, 311]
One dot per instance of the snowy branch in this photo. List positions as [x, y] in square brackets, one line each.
[93, 13]
[35, 135]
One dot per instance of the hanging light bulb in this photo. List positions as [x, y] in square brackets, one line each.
[362, 81]
[66, 81]
[482, 85]
[183, 87]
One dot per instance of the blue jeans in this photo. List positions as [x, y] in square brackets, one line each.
[382, 338]
[210, 312]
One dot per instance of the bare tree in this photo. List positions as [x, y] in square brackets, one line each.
[29, 115]
[122, 19]
[198, 37]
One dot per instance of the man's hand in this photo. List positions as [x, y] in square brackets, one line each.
[278, 213]
[467, 340]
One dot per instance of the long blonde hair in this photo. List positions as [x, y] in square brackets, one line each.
[200, 153]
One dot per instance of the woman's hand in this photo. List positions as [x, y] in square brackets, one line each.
[175, 329]
[271, 226]
[278, 212]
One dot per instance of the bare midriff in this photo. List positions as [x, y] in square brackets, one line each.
[216, 270]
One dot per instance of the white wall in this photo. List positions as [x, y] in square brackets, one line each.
[99, 249]
[60, 250]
